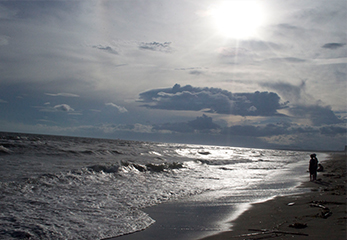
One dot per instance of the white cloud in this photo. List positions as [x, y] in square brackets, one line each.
[120, 109]
[62, 94]
[64, 108]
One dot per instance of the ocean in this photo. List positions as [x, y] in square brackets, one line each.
[56, 187]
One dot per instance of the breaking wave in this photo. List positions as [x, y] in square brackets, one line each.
[56, 187]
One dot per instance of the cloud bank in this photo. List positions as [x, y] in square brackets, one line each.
[213, 100]
[200, 124]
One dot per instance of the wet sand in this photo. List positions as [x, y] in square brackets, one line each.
[279, 218]
[182, 220]
[319, 214]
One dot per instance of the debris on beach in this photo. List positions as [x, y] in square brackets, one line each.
[325, 211]
[273, 233]
[298, 225]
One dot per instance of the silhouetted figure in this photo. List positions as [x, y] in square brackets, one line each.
[320, 168]
[313, 167]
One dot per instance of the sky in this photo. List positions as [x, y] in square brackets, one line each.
[261, 74]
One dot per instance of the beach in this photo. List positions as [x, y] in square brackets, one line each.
[318, 214]
[56, 187]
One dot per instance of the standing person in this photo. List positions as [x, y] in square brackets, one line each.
[313, 167]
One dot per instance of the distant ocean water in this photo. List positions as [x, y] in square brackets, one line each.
[54, 187]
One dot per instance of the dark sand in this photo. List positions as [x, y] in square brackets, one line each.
[184, 220]
[319, 214]
[189, 220]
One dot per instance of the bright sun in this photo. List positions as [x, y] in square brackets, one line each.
[238, 18]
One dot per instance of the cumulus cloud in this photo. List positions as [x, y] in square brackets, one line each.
[63, 108]
[62, 94]
[213, 100]
[156, 46]
[333, 45]
[119, 108]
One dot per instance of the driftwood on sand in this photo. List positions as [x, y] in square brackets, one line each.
[266, 233]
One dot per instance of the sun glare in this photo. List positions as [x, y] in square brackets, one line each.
[238, 18]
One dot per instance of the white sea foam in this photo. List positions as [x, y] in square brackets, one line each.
[78, 188]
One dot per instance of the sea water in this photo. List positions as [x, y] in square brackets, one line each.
[54, 187]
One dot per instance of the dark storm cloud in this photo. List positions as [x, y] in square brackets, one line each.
[333, 45]
[106, 49]
[214, 100]
[201, 124]
[156, 46]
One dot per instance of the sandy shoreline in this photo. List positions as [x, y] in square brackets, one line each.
[319, 214]
[188, 219]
